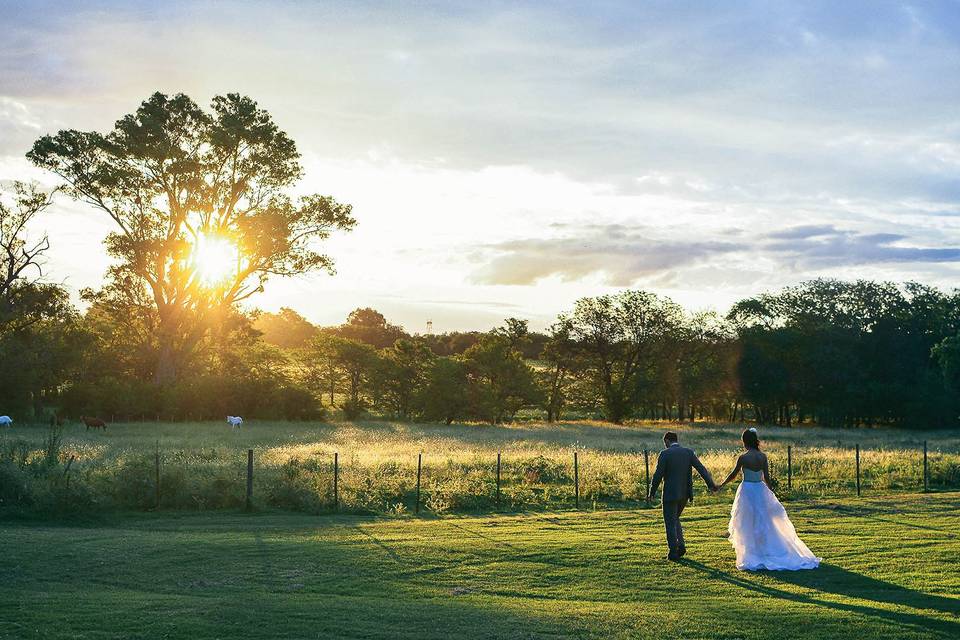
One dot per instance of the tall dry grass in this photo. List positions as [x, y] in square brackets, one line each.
[203, 464]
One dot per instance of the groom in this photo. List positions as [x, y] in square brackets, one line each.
[675, 468]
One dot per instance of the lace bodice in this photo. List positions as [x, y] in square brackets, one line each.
[749, 475]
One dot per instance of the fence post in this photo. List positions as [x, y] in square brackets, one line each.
[66, 471]
[646, 473]
[419, 467]
[156, 479]
[249, 479]
[336, 481]
[926, 473]
[789, 467]
[498, 479]
[576, 480]
[858, 470]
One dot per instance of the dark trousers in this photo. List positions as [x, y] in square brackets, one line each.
[671, 522]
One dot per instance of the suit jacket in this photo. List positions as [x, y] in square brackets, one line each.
[675, 466]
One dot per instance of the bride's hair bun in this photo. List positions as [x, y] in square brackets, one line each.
[750, 438]
[754, 429]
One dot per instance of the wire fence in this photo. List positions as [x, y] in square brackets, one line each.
[536, 483]
[425, 481]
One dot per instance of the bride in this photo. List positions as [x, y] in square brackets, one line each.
[760, 531]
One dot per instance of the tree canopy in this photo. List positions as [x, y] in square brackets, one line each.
[201, 204]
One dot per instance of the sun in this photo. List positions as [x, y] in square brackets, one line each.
[214, 259]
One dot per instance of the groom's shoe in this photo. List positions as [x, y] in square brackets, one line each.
[681, 552]
[674, 556]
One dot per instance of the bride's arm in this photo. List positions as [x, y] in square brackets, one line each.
[733, 474]
[766, 473]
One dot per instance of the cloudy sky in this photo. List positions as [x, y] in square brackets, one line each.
[506, 159]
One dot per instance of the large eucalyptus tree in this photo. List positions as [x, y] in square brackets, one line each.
[202, 209]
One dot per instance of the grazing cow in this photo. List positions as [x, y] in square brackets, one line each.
[5, 421]
[234, 421]
[93, 423]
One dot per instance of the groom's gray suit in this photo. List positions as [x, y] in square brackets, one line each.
[675, 466]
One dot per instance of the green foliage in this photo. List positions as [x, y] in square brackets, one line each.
[444, 396]
[400, 376]
[369, 327]
[847, 353]
[947, 355]
[499, 381]
[286, 329]
[622, 338]
[172, 174]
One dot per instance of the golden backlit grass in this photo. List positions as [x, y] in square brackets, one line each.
[203, 464]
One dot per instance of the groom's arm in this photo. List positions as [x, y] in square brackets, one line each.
[657, 477]
[702, 470]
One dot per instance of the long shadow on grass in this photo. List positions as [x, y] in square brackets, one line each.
[255, 578]
[833, 579]
[868, 513]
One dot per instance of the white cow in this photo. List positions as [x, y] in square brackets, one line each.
[234, 421]
[5, 421]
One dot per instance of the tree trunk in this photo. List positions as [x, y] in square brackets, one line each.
[166, 371]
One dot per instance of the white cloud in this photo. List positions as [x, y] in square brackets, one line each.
[463, 137]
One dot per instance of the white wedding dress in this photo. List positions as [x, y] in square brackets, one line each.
[761, 533]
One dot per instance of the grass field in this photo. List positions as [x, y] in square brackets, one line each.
[203, 464]
[889, 572]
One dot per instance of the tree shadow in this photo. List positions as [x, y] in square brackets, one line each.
[869, 513]
[838, 581]
[833, 579]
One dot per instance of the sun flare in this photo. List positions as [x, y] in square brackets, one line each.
[214, 259]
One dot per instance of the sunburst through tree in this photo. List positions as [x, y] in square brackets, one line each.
[215, 260]
[202, 209]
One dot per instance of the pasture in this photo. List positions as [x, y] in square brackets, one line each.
[888, 572]
[202, 466]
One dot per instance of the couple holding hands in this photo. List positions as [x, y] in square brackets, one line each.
[760, 531]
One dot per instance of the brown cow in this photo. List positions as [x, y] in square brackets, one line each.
[95, 423]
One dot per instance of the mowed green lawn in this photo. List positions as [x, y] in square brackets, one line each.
[890, 571]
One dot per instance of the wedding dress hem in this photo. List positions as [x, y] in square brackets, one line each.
[763, 536]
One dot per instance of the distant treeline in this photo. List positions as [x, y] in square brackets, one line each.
[202, 218]
[827, 352]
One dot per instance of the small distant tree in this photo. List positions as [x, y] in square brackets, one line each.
[24, 300]
[500, 381]
[400, 375]
[340, 365]
[286, 329]
[947, 356]
[39, 337]
[369, 326]
[320, 369]
[619, 336]
[444, 394]
[516, 331]
[562, 354]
